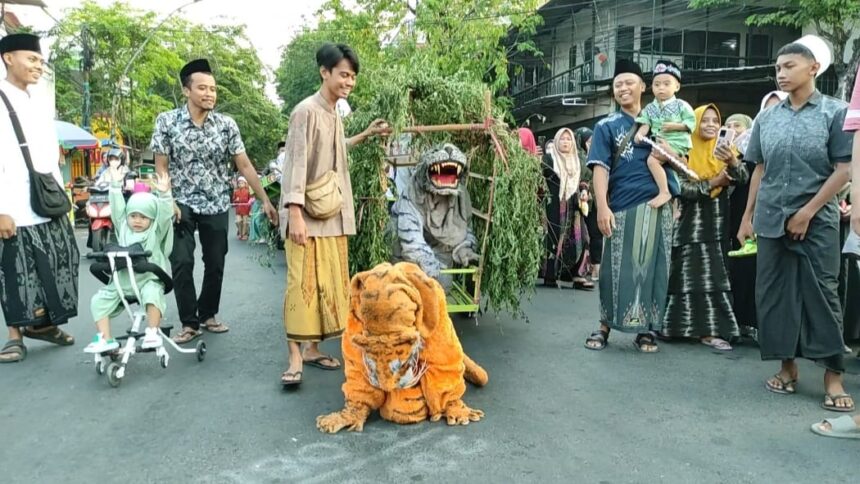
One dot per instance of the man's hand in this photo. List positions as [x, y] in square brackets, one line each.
[7, 227]
[271, 213]
[298, 229]
[746, 232]
[845, 210]
[177, 213]
[798, 224]
[668, 149]
[605, 221]
[378, 127]
[162, 182]
[725, 154]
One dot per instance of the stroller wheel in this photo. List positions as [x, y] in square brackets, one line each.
[113, 379]
[163, 361]
[201, 351]
[100, 367]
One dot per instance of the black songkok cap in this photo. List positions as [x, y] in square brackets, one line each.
[667, 67]
[625, 66]
[14, 42]
[282, 144]
[197, 65]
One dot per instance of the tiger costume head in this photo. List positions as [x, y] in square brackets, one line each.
[397, 306]
[441, 169]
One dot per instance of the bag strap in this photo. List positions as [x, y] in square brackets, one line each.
[624, 144]
[16, 125]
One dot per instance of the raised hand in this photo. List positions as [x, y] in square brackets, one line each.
[162, 182]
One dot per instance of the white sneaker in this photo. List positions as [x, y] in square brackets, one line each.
[151, 339]
[852, 245]
[101, 345]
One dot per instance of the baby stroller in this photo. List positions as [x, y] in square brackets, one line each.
[106, 269]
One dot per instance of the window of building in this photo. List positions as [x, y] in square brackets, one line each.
[759, 48]
[624, 39]
[571, 56]
[723, 43]
[694, 42]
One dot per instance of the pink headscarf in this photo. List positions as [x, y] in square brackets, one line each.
[527, 140]
[852, 118]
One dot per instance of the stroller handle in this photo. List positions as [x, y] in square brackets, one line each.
[131, 253]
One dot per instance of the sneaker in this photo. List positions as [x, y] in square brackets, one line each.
[151, 339]
[101, 345]
[852, 245]
[749, 249]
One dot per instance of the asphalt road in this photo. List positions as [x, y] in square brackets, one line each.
[555, 412]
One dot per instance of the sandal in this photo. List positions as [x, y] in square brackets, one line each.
[643, 340]
[844, 427]
[215, 327]
[718, 344]
[53, 335]
[601, 337]
[583, 284]
[318, 362]
[832, 405]
[186, 335]
[13, 351]
[291, 379]
[787, 387]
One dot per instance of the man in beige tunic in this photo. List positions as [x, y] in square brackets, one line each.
[317, 298]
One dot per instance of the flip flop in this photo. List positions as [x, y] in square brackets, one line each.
[749, 249]
[291, 382]
[317, 362]
[645, 339]
[789, 387]
[832, 407]
[14, 347]
[215, 327]
[843, 427]
[54, 335]
[583, 284]
[187, 335]
[718, 344]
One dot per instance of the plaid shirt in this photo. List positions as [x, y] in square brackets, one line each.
[199, 158]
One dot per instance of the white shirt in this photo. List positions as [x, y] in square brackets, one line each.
[37, 123]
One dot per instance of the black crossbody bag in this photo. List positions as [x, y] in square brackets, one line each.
[47, 197]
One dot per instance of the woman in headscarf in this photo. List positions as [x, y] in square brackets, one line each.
[595, 238]
[561, 171]
[700, 301]
[527, 140]
[742, 269]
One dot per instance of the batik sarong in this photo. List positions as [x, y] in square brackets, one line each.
[39, 275]
[317, 301]
[634, 276]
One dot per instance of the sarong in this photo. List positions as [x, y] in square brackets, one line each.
[634, 277]
[316, 304]
[797, 297]
[39, 275]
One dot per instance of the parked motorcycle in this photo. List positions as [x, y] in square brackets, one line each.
[98, 211]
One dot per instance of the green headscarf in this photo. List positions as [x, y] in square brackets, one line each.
[743, 119]
[146, 204]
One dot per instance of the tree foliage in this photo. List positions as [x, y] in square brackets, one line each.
[115, 32]
[835, 20]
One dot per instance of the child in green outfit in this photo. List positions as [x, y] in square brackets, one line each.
[147, 220]
[667, 118]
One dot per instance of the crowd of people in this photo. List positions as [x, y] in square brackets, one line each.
[749, 244]
[777, 190]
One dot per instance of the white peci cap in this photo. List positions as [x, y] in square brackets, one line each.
[820, 49]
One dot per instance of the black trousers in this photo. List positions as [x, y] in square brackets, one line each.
[212, 230]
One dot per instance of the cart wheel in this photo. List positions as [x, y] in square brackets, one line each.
[100, 367]
[163, 361]
[201, 351]
[112, 370]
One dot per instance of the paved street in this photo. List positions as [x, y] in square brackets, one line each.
[555, 412]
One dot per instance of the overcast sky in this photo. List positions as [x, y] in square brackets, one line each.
[268, 30]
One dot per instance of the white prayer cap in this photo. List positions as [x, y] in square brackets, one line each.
[819, 49]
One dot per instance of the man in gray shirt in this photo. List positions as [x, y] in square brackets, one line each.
[803, 159]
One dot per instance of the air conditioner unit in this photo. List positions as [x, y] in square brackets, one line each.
[573, 101]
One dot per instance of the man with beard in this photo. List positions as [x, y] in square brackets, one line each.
[634, 277]
[317, 296]
[38, 255]
[197, 148]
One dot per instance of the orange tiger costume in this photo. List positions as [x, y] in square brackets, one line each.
[401, 354]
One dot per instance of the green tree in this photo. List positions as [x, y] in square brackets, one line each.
[835, 20]
[114, 32]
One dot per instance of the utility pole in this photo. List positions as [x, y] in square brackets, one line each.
[86, 67]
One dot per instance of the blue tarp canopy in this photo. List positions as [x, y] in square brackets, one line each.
[71, 136]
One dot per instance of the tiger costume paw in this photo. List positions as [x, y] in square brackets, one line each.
[459, 414]
[337, 421]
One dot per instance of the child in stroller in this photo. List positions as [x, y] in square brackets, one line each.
[146, 219]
